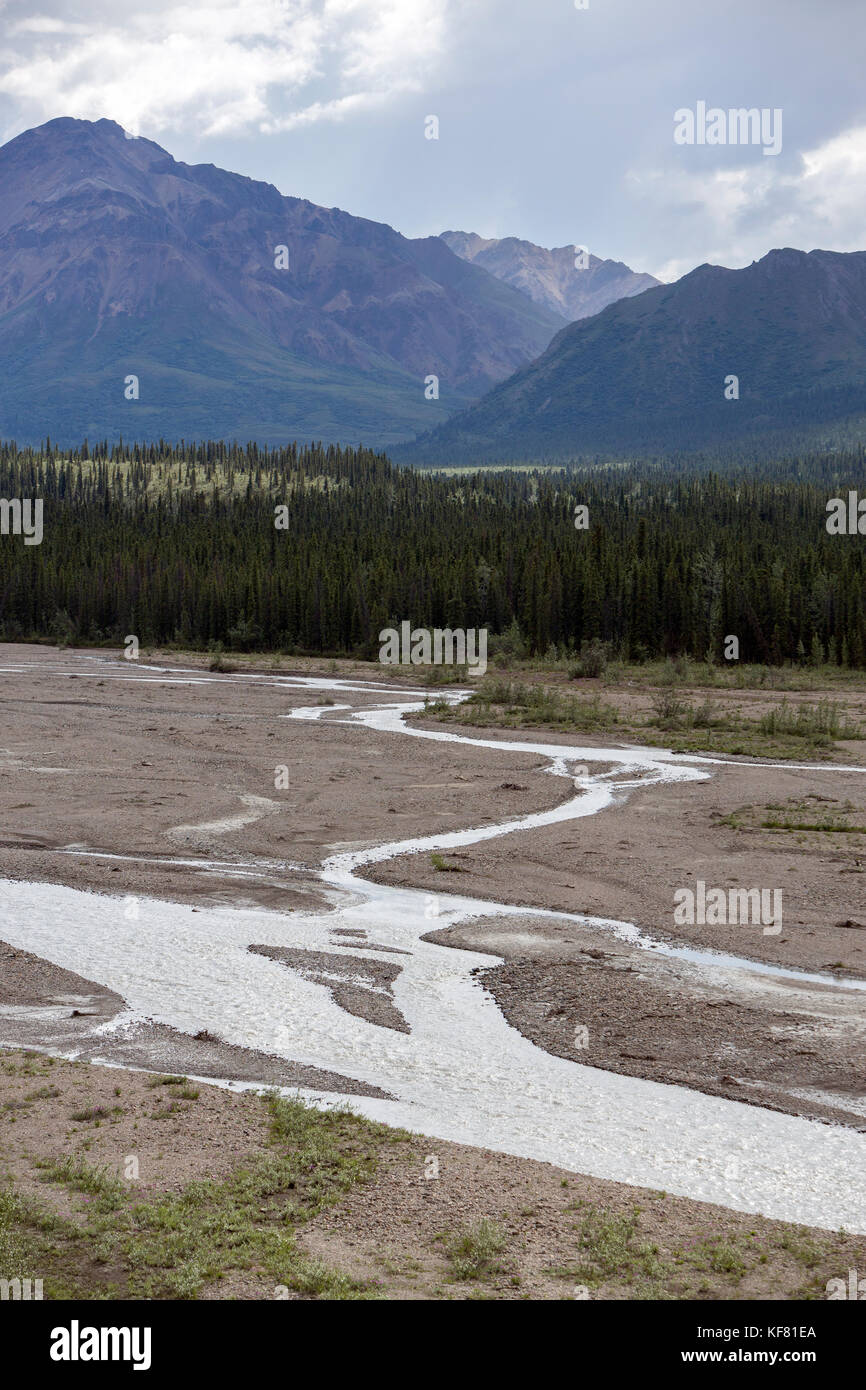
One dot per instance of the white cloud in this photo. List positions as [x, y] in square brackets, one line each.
[44, 24]
[833, 179]
[737, 214]
[221, 67]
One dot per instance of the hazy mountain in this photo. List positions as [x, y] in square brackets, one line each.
[117, 260]
[551, 277]
[649, 373]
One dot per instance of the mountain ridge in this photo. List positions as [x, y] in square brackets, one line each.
[549, 275]
[649, 373]
[117, 259]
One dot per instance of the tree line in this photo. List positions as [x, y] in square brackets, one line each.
[178, 544]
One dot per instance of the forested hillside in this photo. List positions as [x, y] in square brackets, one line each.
[179, 545]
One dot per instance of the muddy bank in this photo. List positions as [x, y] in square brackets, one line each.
[175, 774]
[797, 1049]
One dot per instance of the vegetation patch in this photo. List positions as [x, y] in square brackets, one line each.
[812, 815]
[472, 1251]
[675, 719]
[443, 866]
[175, 1244]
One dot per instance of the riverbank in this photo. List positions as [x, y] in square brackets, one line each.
[125, 1184]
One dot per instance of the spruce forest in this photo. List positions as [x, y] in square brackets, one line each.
[187, 545]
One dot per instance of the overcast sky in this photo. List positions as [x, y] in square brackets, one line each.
[555, 124]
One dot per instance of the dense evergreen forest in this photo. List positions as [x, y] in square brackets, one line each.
[178, 544]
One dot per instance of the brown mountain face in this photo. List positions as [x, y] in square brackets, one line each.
[116, 259]
[550, 277]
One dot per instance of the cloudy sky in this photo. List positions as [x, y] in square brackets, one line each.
[555, 123]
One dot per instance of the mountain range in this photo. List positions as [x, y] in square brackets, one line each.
[774, 353]
[144, 297]
[117, 260]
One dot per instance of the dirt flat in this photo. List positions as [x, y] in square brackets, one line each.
[104, 756]
[360, 986]
[786, 1047]
[795, 1049]
[115, 778]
